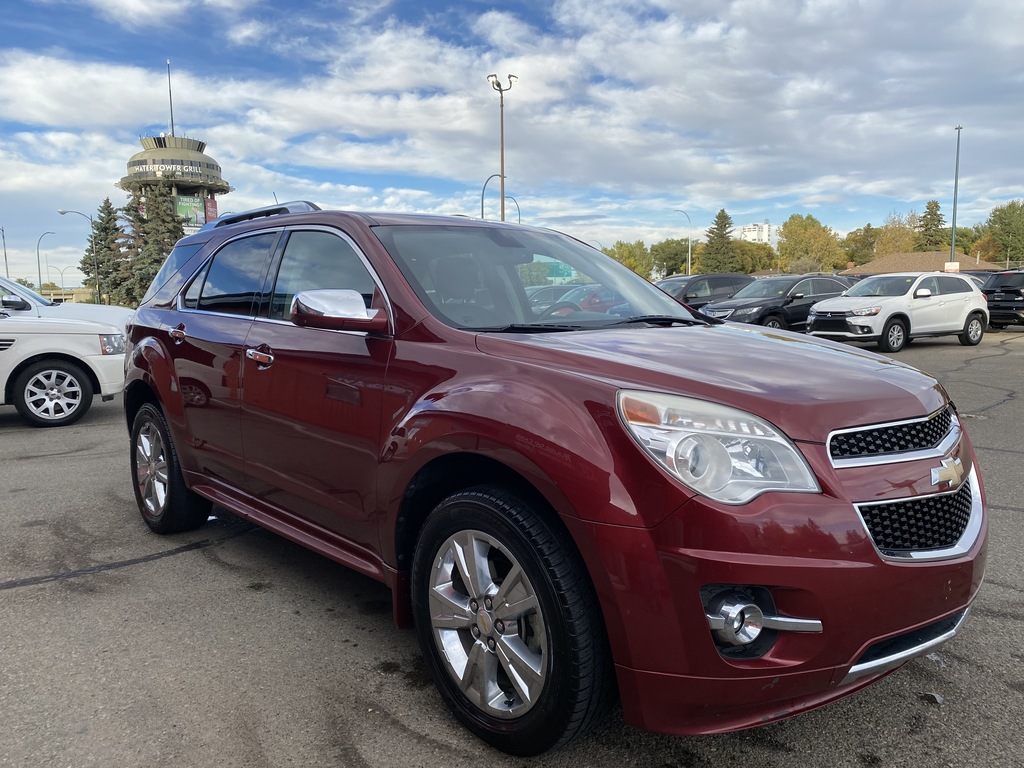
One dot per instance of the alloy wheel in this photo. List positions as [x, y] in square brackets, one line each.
[151, 469]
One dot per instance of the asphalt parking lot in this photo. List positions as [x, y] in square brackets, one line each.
[231, 647]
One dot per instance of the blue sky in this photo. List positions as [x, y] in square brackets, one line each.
[625, 111]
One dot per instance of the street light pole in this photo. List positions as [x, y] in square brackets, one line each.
[956, 184]
[3, 236]
[92, 247]
[689, 238]
[492, 176]
[496, 85]
[519, 214]
[39, 266]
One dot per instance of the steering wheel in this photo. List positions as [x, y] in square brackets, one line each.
[552, 309]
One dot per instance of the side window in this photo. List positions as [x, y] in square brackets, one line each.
[233, 278]
[806, 287]
[721, 286]
[194, 288]
[315, 260]
[953, 285]
[930, 283]
[824, 285]
[699, 288]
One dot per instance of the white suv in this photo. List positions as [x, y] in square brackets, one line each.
[51, 369]
[891, 310]
[18, 301]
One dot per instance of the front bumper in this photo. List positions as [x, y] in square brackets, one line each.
[876, 612]
[849, 328]
[109, 370]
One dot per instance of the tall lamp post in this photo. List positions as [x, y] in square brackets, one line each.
[519, 214]
[689, 239]
[496, 85]
[492, 176]
[92, 247]
[3, 236]
[39, 265]
[956, 184]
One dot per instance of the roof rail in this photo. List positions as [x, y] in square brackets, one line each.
[296, 206]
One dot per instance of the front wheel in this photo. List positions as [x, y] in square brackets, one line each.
[775, 322]
[894, 336]
[52, 393]
[974, 329]
[165, 502]
[508, 623]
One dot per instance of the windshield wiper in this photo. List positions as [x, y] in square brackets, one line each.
[528, 328]
[664, 320]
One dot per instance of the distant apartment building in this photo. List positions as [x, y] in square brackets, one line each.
[757, 233]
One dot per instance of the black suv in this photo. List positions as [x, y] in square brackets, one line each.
[778, 302]
[697, 290]
[1004, 292]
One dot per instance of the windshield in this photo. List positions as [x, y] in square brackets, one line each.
[764, 287]
[12, 287]
[477, 277]
[882, 285]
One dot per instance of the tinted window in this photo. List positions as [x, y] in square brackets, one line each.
[820, 285]
[1009, 280]
[806, 287]
[953, 285]
[314, 260]
[235, 275]
[177, 258]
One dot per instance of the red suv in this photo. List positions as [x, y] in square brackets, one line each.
[568, 507]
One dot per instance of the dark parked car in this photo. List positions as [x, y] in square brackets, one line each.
[778, 302]
[543, 296]
[697, 290]
[567, 507]
[1004, 292]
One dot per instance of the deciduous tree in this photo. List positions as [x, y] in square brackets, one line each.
[806, 240]
[632, 255]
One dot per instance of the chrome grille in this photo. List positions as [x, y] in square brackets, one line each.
[892, 438]
[920, 524]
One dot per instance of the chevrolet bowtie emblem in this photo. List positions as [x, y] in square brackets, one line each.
[951, 471]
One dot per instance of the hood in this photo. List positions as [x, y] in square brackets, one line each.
[116, 316]
[850, 303]
[20, 325]
[761, 301]
[807, 387]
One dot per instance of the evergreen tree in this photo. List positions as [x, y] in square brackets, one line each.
[151, 227]
[719, 253]
[102, 253]
[932, 234]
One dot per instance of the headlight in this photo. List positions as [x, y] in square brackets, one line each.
[112, 344]
[725, 454]
[746, 311]
[867, 311]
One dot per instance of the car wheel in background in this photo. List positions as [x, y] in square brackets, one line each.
[996, 326]
[508, 623]
[52, 393]
[894, 336]
[774, 321]
[165, 503]
[974, 329]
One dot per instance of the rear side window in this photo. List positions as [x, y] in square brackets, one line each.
[953, 285]
[234, 277]
[315, 260]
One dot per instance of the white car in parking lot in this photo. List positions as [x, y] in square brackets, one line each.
[51, 369]
[893, 309]
[19, 301]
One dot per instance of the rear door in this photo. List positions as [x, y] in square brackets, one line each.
[311, 414]
[956, 294]
[207, 345]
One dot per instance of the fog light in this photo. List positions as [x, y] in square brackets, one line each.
[742, 622]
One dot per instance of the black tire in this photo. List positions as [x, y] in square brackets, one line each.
[776, 322]
[894, 336]
[556, 646]
[52, 393]
[974, 330]
[165, 502]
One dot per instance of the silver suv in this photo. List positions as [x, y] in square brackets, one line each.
[893, 309]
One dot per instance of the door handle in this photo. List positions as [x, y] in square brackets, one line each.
[262, 359]
[177, 333]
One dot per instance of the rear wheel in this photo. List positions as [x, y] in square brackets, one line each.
[894, 336]
[508, 623]
[166, 504]
[974, 329]
[52, 393]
